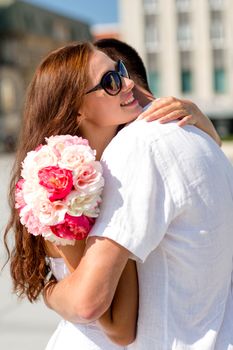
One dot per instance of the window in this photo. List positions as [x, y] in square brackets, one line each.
[154, 82]
[219, 58]
[186, 60]
[183, 5]
[186, 81]
[151, 5]
[184, 36]
[216, 4]
[151, 2]
[219, 80]
[186, 65]
[184, 31]
[217, 34]
[152, 38]
[151, 33]
[153, 60]
[217, 30]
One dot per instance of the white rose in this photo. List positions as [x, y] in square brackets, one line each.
[33, 192]
[82, 204]
[36, 160]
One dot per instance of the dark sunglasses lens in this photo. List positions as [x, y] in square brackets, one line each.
[112, 83]
[123, 70]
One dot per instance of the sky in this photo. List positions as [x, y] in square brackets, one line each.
[92, 11]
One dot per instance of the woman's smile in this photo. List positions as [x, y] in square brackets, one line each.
[130, 101]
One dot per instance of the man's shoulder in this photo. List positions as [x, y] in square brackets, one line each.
[138, 130]
[131, 135]
[142, 135]
[136, 138]
[141, 132]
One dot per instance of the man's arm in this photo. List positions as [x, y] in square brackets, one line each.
[88, 292]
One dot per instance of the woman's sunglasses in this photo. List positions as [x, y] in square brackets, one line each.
[111, 80]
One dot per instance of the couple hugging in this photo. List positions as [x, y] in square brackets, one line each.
[155, 272]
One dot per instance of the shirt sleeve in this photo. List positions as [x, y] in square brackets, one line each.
[137, 206]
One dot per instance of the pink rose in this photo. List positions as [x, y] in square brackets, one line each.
[73, 227]
[65, 140]
[32, 222]
[76, 155]
[50, 213]
[57, 181]
[60, 142]
[88, 177]
[19, 199]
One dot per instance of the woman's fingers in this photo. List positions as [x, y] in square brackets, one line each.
[175, 115]
[187, 120]
[154, 106]
[166, 109]
[165, 114]
[160, 108]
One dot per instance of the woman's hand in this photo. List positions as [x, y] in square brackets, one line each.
[166, 109]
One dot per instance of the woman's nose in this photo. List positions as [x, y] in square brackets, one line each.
[127, 84]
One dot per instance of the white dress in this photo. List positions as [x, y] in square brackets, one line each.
[73, 336]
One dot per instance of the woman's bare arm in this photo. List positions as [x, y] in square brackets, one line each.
[119, 321]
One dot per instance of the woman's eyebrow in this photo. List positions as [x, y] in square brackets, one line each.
[114, 69]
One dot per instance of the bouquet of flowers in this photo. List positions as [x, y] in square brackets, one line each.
[59, 192]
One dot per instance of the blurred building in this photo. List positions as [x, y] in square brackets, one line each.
[103, 31]
[27, 33]
[187, 46]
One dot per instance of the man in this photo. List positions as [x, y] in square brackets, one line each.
[168, 203]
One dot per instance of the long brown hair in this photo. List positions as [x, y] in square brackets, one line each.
[51, 107]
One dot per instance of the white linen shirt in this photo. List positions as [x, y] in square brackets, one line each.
[168, 199]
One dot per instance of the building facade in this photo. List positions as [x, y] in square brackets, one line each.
[105, 31]
[27, 33]
[187, 46]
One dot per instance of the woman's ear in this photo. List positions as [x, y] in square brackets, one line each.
[80, 117]
[81, 111]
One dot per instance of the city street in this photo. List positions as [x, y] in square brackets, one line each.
[24, 326]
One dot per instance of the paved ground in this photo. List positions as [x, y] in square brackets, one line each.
[24, 326]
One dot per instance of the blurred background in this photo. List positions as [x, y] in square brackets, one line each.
[187, 46]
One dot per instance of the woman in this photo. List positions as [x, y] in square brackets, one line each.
[76, 90]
